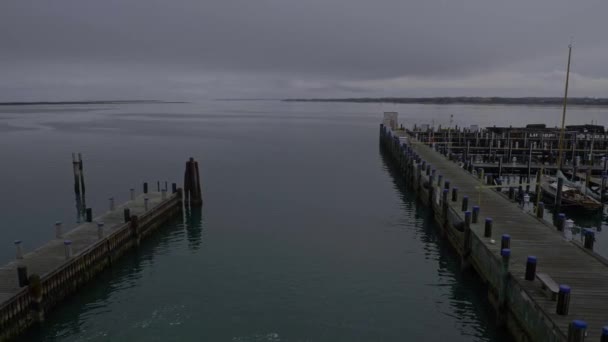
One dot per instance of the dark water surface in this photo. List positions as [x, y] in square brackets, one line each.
[306, 235]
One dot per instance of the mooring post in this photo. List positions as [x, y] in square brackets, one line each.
[439, 180]
[467, 234]
[173, 188]
[100, 230]
[540, 210]
[68, 248]
[58, 230]
[577, 330]
[18, 250]
[560, 222]
[589, 236]
[488, 228]
[111, 200]
[146, 203]
[192, 186]
[89, 215]
[446, 184]
[563, 300]
[531, 268]
[157, 186]
[558, 197]
[145, 187]
[505, 241]
[454, 194]
[127, 214]
[465, 203]
[475, 217]
[132, 194]
[22, 275]
[134, 225]
[604, 334]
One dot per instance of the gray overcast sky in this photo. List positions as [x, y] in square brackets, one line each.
[199, 49]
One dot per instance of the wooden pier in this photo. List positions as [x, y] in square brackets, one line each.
[38, 280]
[495, 237]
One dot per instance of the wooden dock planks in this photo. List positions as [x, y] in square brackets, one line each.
[565, 262]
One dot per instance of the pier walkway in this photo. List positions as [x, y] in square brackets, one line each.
[564, 261]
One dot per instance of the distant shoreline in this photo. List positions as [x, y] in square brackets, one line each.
[539, 101]
[38, 103]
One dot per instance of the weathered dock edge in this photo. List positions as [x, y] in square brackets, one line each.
[516, 306]
[20, 311]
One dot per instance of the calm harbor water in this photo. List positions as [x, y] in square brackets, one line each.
[306, 234]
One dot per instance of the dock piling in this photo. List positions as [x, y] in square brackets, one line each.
[589, 236]
[454, 194]
[577, 330]
[127, 214]
[488, 228]
[563, 300]
[558, 196]
[157, 186]
[465, 203]
[173, 188]
[560, 223]
[100, 230]
[505, 241]
[540, 210]
[132, 191]
[146, 200]
[475, 218]
[58, 230]
[68, 248]
[22, 275]
[192, 186]
[89, 215]
[145, 187]
[111, 200]
[18, 250]
[531, 268]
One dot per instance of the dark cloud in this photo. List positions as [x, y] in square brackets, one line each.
[201, 46]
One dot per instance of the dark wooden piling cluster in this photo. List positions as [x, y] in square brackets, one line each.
[542, 286]
[192, 184]
[33, 284]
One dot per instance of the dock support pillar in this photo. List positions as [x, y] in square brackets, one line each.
[132, 193]
[173, 188]
[577, 330]
[465, 203]
[127, 214]
[89, 216]
[558, 197]
[531, 268]
[540, 210]
[35, 286]
[134, 225]
[22, 275]
[505, 241]
[58, 230]
[475, 217]
[488, 228]
[192, 185]
[18, 250]
[67, 245]
[563, 300]
[589, 236]
[145, 187]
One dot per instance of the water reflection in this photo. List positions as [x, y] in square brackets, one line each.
[194, 226]
[463, 302]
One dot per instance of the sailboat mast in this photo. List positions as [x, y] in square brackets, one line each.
[561, 134]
